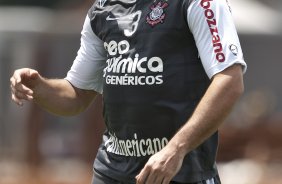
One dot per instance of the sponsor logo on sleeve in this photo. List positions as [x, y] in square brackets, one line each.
[212, 23]
[234, 49]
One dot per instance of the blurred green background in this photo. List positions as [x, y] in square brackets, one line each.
[39, 148]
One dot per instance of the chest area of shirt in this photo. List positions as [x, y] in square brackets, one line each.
[134, 19]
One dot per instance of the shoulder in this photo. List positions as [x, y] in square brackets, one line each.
[209, 4]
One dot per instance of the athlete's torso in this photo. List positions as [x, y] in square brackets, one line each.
[152, 83]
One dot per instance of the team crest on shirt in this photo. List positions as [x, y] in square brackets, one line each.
[157, 14]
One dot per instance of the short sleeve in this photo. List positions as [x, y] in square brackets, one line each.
[87, 69]
[212, 26]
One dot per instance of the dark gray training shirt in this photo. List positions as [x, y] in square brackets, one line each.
[152, 61]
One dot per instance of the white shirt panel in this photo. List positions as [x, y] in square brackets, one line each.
[201, 16]
[87, 69]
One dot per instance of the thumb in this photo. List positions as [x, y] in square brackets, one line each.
[34, 75]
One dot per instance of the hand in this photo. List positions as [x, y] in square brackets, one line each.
[23, 82]
[161, 167]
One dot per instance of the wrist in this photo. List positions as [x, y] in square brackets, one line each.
[38, 87]
[179, 146]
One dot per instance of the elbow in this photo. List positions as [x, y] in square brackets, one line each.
[242, 89]
[236, 82]
[64, 112]
[74, 109]
[238, 87]
[239, 92]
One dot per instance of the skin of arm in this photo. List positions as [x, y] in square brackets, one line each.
[225, 89]
[57, 96]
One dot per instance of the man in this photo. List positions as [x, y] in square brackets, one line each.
[169, 71]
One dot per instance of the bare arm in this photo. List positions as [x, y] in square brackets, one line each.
[218, 101]
[57, 96]
[212, 110]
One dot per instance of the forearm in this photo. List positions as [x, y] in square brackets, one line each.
[59, 97]
[212, 110]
